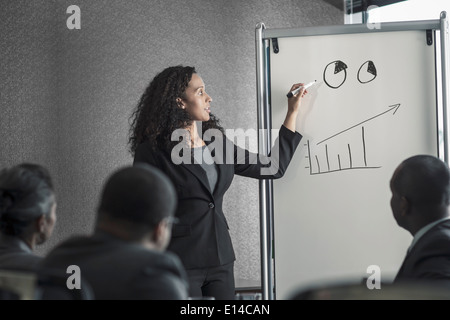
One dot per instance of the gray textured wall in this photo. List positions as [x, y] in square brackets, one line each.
[66, 95]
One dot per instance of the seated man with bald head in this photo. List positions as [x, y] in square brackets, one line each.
[125, 258]
[420, 189]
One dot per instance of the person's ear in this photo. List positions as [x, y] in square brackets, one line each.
[159, 231]
[40, 223]
[180, 103]
[405, 206]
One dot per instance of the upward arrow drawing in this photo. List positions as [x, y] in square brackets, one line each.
[393, 107]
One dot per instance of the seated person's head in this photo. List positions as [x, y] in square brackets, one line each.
[27, 203]
[137, 204]
[420, 192]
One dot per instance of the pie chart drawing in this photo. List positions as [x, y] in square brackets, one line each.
[335, 74]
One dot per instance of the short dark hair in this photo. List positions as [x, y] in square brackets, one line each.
[26, 193]
[140, 194]
[424, 180]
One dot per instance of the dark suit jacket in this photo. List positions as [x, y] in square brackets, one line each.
[16, 255]
[429, 259]
[201, 238]
[120, 270]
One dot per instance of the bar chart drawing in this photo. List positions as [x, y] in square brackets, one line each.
[321, 159]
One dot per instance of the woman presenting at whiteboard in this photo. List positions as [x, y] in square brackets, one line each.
[173, 129]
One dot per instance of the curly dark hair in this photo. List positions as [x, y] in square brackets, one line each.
[158, 114]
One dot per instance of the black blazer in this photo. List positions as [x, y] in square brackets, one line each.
[120, 270]
[429, 259]
[201, 238]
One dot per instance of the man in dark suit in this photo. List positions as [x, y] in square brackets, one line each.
[125, 258]
[420, 198]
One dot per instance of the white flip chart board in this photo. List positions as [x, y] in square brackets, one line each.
[374, 105]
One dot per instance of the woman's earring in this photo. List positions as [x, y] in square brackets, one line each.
[180, 104]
